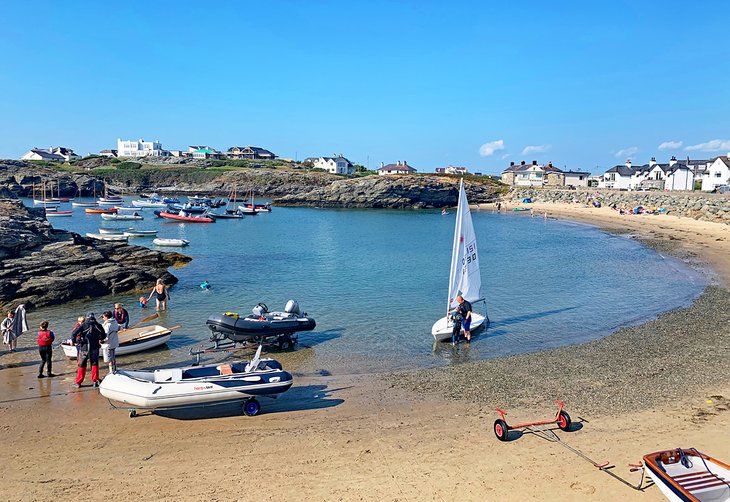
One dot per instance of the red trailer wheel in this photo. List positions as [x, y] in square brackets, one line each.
[501, 429]
[564, 421]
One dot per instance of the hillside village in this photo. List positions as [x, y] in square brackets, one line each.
[708, 175]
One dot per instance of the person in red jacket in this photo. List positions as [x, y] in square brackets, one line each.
[45, 349]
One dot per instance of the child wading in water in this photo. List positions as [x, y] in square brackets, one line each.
[45, 349]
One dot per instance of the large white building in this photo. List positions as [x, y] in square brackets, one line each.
[675, 175]
[717, 174]
[335, 165]
[140, 148]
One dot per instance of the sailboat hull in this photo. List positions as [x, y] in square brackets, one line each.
[442, 328]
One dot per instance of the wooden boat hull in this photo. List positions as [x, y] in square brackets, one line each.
[100, 210]
[84, 204]
[701, 478]
[59, 213]
[441, 329]
[121, 217]
[137, 345]
[141, 233]
[108, 237]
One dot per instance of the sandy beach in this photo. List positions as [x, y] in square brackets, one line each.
[424, 435]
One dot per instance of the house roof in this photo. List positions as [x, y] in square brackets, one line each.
[339, 157]
[725, 160]
[579, 173]
[46, 155]
[398, 167]
[255, 149]
[622, 170]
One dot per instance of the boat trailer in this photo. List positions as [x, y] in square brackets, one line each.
[501, 428]
[280, 341]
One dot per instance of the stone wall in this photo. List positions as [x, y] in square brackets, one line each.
[697, 205]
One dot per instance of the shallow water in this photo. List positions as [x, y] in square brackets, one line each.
[376, 280]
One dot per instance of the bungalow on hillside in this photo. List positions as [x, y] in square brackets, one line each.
[249, 152]
[205, 153]
[718, 173]
[400, 167]
[452, 170]
[49, 154]
[335, 165]
[108, 153]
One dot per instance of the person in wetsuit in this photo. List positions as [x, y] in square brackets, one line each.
[462, 317]
[88, 337]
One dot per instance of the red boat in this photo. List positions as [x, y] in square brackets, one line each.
[191, 219]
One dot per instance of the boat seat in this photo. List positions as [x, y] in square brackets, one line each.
[225, 369]
[168, 375]
[696, 481]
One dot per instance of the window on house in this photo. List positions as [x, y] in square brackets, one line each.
[718, 174]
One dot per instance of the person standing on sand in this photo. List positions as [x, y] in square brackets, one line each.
[6, 327]
[121, 316]
[87, 338]
[161, 294]
[45, 349]
[111, 328]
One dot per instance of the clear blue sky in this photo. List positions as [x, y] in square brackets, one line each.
[426, 82]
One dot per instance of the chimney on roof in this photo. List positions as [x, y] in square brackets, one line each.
[405, 162]
[382, 164]
[652, 162]
[628, 163]
[511, 164]
[522, 163]
[673, 161]
[534, 162]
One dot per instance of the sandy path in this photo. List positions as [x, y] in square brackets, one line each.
[348, 438]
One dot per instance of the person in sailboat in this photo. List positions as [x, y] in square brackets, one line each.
[462, 318]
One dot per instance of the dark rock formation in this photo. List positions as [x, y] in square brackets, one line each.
[397, 191]
[43, 266]
[21, 178]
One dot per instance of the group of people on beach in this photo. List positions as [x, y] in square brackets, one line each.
[87, 336]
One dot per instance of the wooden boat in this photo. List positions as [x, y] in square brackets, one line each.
[108, 237]
[196, 385]
[50, 213]
[100, 210]
[112, 231]
[132, 340]
[117, 216]
[84, 204]
[140, 233]
[687, 475]
[190, 219]
[170, 242]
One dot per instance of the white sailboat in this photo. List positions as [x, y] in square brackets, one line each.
[465, 277]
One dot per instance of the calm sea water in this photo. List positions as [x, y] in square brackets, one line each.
[376, 280]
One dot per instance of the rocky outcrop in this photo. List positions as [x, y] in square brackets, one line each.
[398, 191]
[43, 266]
[697, 205]
[22, 179]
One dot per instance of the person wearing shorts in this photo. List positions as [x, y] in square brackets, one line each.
[464, 309]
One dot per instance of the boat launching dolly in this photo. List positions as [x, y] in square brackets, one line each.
[501, 429]
[280, 341]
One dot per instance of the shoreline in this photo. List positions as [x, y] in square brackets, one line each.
[428, 436]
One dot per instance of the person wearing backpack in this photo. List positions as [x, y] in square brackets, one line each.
[45, 349]
[87, 338]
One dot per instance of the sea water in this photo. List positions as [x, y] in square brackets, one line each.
[376, 280]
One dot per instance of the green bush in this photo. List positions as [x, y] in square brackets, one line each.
[129, 165]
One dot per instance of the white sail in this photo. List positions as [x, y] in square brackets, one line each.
[465, 278]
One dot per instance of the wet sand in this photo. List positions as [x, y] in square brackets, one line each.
[425, 435]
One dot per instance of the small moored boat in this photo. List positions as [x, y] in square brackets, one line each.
[131, 340]
[185, 217]
[118, 216]
[100, 210]
[112, 231]
[84, 204]
[197, 385]
[140, 233]
[261, 324]
[170, 242]
[148, 203]
[108, 237]
[55, 212]
[687, 475]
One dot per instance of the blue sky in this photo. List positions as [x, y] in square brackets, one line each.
[434, 83]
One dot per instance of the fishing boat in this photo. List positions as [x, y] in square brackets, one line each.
[261, 324]
[184, 217]
[687, 475]
[140, 233]
[118, 216]
[197, 385]
[149, 203]
[131, 340]
[108, 237]
[170, 242]
[100, 210]
[56, 213]
[465, 276]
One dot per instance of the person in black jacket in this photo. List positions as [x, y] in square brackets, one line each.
[88, 337]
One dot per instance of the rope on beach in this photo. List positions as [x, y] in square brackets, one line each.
[549, 435]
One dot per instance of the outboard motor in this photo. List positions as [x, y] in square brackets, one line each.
[260, 309]
[292, 307]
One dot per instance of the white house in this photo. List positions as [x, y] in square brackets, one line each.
[619, 177]
[400, 167]
[452, 170]
[576, 178]
[679, 177]
[334, 165]
[108, 153]
[524, 175]
[718, 173]
[55, 153]
[141, 148]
